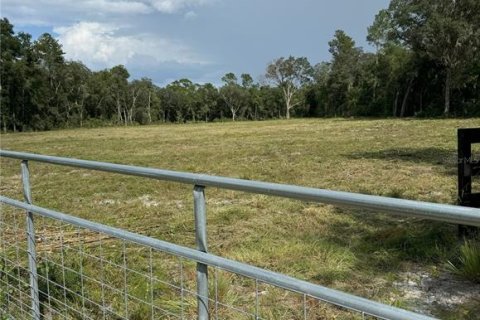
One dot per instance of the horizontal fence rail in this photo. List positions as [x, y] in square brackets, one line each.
[420, 209]
[203, 259]
[329, 295]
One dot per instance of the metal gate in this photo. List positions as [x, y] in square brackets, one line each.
[47, 275]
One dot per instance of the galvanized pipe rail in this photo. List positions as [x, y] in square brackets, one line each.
[277, 279]
[419, 209]
[439, 212]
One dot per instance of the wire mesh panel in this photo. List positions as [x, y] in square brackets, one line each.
[237, 297]
[15, 299]
[83, 274]
[87, 275]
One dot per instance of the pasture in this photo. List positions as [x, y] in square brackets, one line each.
[363, 253]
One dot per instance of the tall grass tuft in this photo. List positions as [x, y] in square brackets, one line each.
[467, 264]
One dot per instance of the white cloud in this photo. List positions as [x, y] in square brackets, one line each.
[116, 6]
[190, 15]
[149, 37]
[44, 12]
[44, 8]
[173, 6]
[98, 45]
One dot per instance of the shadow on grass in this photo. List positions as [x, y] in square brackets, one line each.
[446, 159]
[381, 243]
[419, 242]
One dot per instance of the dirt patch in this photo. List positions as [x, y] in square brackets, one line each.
[426, 293]
[148, 202]
[107, 202]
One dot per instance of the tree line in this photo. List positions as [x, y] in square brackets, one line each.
[427, 63]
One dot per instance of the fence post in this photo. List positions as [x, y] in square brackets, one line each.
[32, 253]
[200, 212]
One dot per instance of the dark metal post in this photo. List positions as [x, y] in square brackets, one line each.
[468, 167]
[201, 239]
[32, 253]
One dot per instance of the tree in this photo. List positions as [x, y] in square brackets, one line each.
[426, 64]
[344, 73]
[232, 94]
[398, 66]
[51, 99]
[136, 89]
[395, 62]
[251, 96]
[76, 84]
[446, 31]
[150, 101]
[290, 74]
[100, 102]
[207, 100]
[247, 80]
[118, 85]
[179, 99]
[316, 95]
[10, 52]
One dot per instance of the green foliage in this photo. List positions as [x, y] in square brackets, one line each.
[426, 64]
[290, 74]
[445, 32]
[344, 75]
[467, 263]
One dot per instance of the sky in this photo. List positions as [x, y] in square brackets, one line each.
[201, 40]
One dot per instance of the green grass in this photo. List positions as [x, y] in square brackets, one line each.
[351, 250]
[468, 261]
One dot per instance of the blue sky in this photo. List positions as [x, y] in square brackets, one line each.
[197, 39]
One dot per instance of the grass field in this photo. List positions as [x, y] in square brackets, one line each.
[355, 251]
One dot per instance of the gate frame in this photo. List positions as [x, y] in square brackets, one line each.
[409, 208]
[468, 167]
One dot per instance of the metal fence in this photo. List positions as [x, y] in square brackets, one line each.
[58, 266]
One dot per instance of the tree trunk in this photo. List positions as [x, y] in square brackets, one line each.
[23, 108]
[421, 102]
[69, 108]
[81, 108]
[405, 98]
[448, 78]
[97, 107]
[125, 118]
[149, 113]
[347, 110]
[375, 80]
[119, 111]
[395, 103]
[288, 93]
[132, 107]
